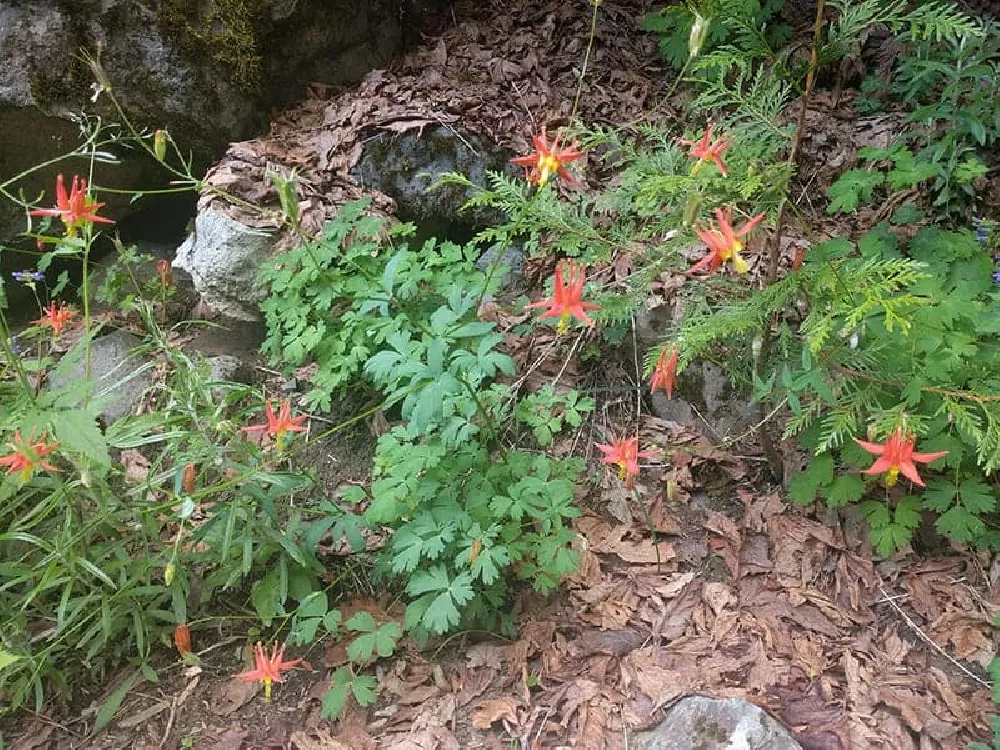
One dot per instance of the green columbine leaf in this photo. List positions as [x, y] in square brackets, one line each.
[361, 622]
[805, 485]
[845, 489]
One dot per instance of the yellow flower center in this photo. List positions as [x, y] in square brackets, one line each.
[548, 165]
[563, 325]
[267, 687]
[892, 476]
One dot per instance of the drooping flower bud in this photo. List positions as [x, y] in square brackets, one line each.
[691, 209]
[699, 33]
[160, 145]
[188, 479]
[182, 639]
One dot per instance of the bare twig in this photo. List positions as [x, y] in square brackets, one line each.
[891, 600]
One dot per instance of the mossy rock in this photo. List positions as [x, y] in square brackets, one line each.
[223, 33]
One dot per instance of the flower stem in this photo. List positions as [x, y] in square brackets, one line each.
[586, 57]
[767, 441]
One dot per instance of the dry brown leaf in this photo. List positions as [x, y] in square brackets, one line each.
[317, 739]
[472, 684]
[136, 466]
[486, 712]
[231, 695]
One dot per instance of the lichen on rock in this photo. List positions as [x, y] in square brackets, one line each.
[223, 32]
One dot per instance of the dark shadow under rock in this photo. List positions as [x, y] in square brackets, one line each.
[405, 165]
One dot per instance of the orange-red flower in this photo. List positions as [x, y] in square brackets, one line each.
[665, 371]
[625, 454]
[75, 209]
[268, 668]
[704, 150]
[567, 297]
[57, 315]
[724, 242]
[182, 639]
[28, 456]
[278, 426]
[897, 456]
[165, 273]
[548, 160]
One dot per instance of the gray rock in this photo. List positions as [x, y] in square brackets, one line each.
[209, 71]
[512, 258]
[704, 397]
[119, 378]
[699, 723]
[404, 166]
[223, 258]
[225, 368]
[228, 368]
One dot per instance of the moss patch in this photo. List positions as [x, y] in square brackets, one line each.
[226, 33]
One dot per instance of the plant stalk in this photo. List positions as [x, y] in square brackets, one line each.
[767, 441]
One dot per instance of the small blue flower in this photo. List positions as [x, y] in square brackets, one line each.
[16, 347]
[27, 277]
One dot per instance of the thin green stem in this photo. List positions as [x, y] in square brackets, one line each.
[13, 361]
[586, 57]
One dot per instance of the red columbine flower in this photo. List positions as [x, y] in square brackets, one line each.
[548, 160]
[56, 315]
[278, 426]
[28, 456]
[724, 243]
[896, 455]
[703, 151]
[665, 371]
[268, 669]
[566, 300]
[625, 453]
[76, 209]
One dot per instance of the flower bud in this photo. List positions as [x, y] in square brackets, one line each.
[699, 32]
[182, 639]
[168, 573]
[798, 258]
[165, 273]
[160, 144]
[691, 209]
[672, 490]
[188, 480]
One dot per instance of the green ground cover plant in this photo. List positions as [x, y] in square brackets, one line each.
[873, 354]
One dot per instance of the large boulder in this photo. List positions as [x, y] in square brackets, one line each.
[224, 258]
[208, 70]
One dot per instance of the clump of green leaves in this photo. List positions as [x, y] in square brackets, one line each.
[673, 24]
[957, 118]
[920, 353]
[337, 301]
[547, 411]
[470, 514]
